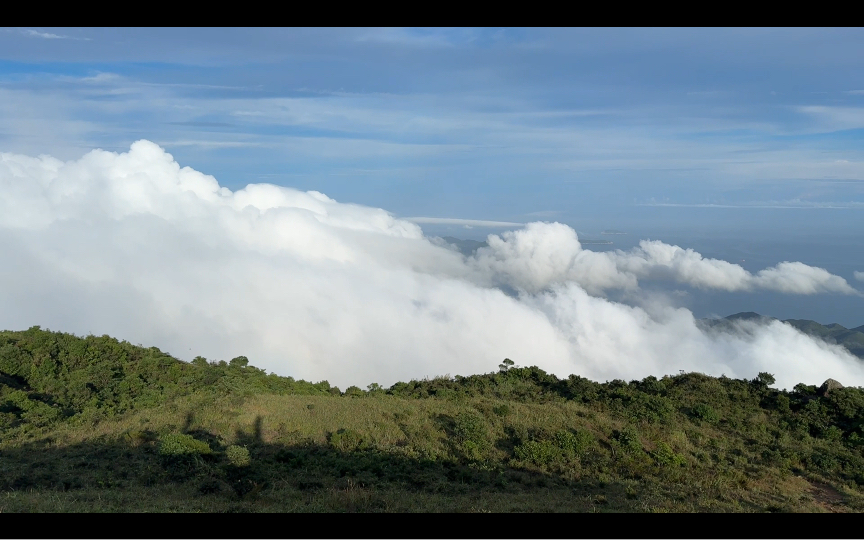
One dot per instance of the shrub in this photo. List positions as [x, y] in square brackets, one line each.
[628, 439]
[650, 408]
[540, 453]
[354, 391]
[650, 385]
[180, 444]
[573, 444]
[563, 445]
[804, 389]
[664, 455]
[471, 434]
[238, 455]
[832, 433]
[346, 440]
[501, 410]
[706, 413]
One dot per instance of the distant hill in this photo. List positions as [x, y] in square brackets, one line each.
[852, 339]
[466, 247]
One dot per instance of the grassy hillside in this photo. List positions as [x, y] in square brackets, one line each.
[93, 424]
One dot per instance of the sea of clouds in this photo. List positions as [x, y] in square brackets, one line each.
[135, 246]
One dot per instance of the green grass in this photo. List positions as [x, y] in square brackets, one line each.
[217, 437]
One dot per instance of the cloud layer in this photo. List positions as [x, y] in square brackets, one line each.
[136, 246]
[544, 254]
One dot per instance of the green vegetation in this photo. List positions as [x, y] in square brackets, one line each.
[94, 424]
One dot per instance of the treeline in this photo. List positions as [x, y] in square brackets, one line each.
[47, 377]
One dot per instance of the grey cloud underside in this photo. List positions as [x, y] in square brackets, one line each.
[136, 246]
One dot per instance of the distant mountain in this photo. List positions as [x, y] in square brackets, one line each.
[467, 247]
[852, 339]
[593, 241]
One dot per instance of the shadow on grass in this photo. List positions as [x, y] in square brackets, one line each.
[132, 461]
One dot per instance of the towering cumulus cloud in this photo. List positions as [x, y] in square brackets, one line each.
[134, 246]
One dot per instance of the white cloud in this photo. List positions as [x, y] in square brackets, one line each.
[835, 118]
[136, 246]
[48, 35]
[544, 254]
[44, 35]
[859, 276]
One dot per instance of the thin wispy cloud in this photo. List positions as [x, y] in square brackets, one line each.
[48, 35]
[459, 221]
[792, 205]
[212, 144]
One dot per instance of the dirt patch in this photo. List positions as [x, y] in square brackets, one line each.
[827, 497]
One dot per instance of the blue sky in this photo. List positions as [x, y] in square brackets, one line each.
[660, 130]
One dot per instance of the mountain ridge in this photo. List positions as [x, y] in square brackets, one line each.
[837, 334]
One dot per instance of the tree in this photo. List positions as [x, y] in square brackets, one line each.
[200, 361]
[765, 378]
[240, 361]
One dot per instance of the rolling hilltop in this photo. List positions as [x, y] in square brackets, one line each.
[95, 424]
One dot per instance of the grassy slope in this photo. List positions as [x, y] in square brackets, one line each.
[515, 441]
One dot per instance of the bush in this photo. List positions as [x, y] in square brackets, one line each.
[238, 455]
[573, 444]
[628, 439]
[562, 446]
[664, 455]
[346, 440]
[706, 413]
[804, 389]
[180, 444]
[471, 434]
[501, 410]
[540, 453]
[354, 391]
[832, 433]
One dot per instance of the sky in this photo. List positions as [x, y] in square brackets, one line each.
[741, 145]
[495, 124]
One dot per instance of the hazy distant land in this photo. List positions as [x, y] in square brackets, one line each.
[851, 338]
